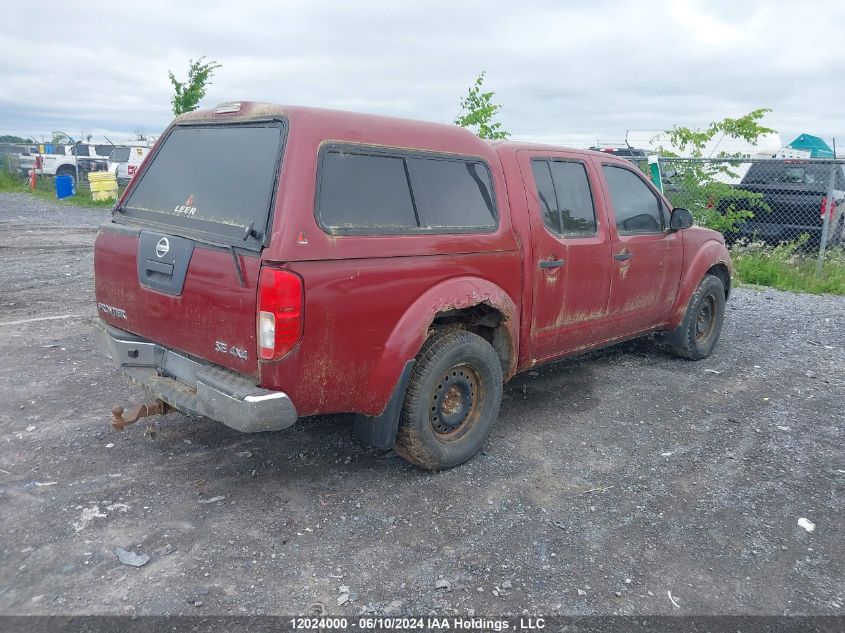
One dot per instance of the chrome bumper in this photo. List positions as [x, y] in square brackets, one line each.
[195, 387]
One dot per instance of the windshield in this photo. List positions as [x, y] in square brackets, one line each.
[120, 155]
[216, 180]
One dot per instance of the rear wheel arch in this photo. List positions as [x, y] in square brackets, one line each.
[470, 302]
[465, 303]
[486, 321]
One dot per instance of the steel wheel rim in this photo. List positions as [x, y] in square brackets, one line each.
[454, 405]
[705, 321]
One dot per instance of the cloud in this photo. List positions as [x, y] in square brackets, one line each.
[562, 70]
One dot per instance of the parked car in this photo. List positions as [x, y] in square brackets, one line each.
[87, 157]
[395, 269]
[628, 153]
[125, 160]
[795, 197]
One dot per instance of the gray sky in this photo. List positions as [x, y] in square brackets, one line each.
[565, 71]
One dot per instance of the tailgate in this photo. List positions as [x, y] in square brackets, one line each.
[189, 300]
[179, 263]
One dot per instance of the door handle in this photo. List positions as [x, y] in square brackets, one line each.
[552, 263]
[621, 257]
[159, 267]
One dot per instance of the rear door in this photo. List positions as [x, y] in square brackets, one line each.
[180, 263]
[646, 257]
[571, 252]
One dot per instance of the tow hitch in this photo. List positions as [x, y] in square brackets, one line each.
[119, 422]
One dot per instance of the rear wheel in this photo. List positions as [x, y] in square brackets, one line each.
[702, 323]
[452, 400]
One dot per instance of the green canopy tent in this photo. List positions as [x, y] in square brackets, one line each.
[813, 144]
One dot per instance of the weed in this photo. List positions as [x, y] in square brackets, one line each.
[788, 267]
[11, 182]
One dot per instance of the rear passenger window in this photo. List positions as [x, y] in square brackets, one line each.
[566, 201]
[391, 194]
[636, 207]
[365, 192]
[546, 194]
[455, 194]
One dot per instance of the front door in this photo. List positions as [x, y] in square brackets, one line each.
[571, 260]
[646, 257]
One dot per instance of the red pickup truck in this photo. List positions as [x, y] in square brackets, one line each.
[271, 262]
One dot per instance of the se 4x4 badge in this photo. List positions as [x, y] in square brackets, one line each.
[224, 348]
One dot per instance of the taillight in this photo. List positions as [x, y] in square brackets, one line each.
[827, 207]
[279, 312]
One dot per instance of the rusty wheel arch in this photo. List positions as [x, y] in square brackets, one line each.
[482, 319]
[721, 271]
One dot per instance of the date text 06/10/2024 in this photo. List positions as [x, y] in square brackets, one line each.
[478, 625]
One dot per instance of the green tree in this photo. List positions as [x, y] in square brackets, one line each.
[701, 186]
[477, 112]
[60, 137]
[11, 138]
[187, 94]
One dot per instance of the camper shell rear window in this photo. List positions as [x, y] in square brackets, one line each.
[214, 180]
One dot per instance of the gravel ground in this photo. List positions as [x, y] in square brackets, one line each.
[610, 480]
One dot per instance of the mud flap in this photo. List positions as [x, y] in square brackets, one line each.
[380, 430]
[676, 336]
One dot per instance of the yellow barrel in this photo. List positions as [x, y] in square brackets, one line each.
[103, 185]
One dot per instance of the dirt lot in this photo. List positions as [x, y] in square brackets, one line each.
[610, 480]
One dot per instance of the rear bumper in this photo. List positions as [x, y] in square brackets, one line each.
[195, 387]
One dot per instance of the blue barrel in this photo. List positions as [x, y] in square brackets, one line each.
[64, 186]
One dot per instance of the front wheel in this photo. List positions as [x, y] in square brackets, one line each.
[452, 400]
[702, 324]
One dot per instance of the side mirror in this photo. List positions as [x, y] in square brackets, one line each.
[680, 219]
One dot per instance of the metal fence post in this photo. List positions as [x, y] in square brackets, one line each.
[76, 167]
[827, 210]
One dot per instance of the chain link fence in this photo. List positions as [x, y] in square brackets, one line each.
[764, 201]
[770, 200]
[18, 159]
[10, 156]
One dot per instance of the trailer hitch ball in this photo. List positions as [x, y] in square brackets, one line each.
[120, 422]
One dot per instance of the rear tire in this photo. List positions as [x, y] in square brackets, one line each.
[703, 320]
[452, 400]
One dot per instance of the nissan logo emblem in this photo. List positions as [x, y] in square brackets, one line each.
[162, 247]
